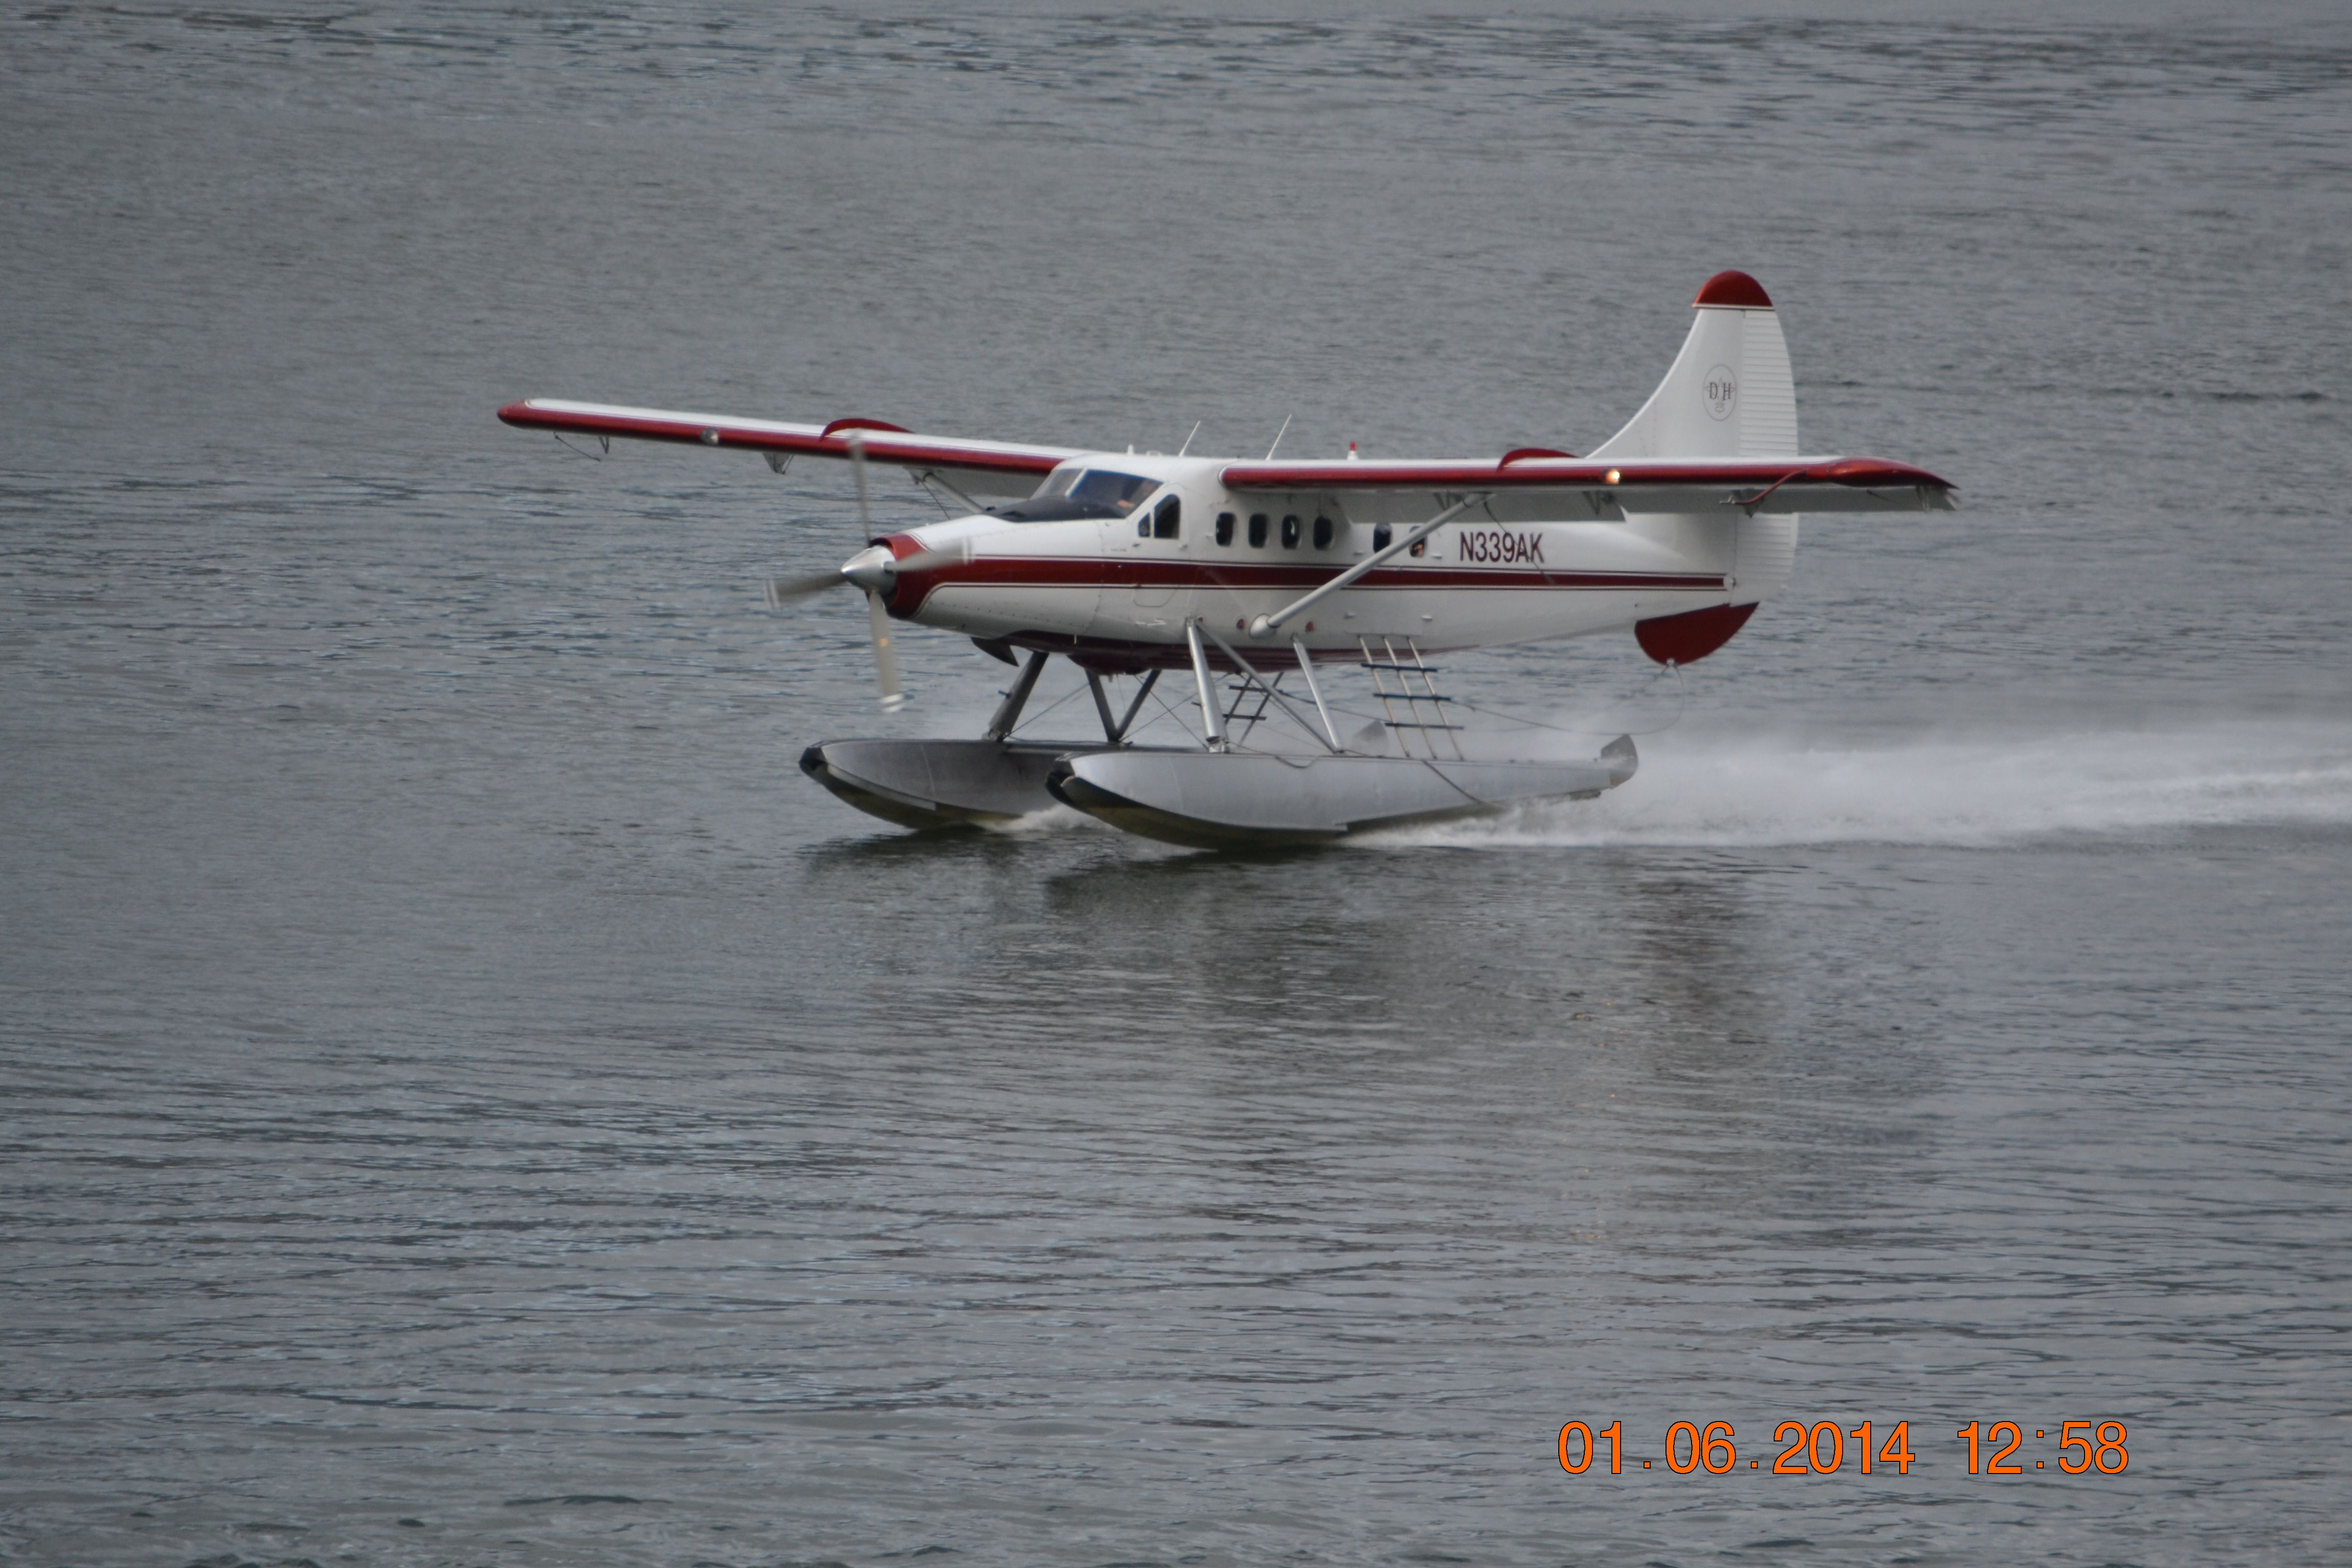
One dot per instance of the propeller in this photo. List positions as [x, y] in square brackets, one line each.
[874, 570]
[886, 659]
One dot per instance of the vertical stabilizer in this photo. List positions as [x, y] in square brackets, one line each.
[1729, 394]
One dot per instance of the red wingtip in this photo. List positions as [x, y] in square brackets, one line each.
[1734, 288]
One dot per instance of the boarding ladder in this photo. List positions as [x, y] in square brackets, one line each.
[1242, 690]
[1437, 724]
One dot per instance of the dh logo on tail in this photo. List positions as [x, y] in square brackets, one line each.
[1722, 393]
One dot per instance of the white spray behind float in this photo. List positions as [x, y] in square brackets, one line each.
[1701, 789]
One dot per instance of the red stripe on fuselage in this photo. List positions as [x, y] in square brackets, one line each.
[1079, 572]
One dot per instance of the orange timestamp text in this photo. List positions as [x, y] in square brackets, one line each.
[1824, 1448]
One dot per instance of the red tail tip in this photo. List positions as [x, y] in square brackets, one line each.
[1734, 289]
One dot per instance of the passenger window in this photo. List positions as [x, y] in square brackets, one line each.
[1257, 530]
[1322, 533]
[1166, 522]
[1225, 528]
[1290, 532]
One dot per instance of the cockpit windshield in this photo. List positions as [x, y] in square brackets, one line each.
[1074, 493]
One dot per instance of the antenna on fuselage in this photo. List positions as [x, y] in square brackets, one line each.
[1188, 440]
[1278, 434]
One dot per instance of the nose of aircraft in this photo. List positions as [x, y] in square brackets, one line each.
[871, 568]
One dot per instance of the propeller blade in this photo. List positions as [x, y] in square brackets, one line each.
[857, 466]
[781, 591]
[886, 662]
[886, 659]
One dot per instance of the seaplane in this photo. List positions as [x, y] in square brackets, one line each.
[1241, 572]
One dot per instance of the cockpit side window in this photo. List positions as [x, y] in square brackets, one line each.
[1168, 519]
[1118, 493]
[1089, 493]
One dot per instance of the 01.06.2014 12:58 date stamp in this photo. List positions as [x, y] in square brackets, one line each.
[1821, 1448]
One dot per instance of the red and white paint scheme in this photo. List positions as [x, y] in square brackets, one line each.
[1676, 528]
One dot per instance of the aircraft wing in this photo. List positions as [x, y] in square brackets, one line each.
[1553, 486]
[982, 468]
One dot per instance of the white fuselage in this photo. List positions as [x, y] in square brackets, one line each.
[1120, 589]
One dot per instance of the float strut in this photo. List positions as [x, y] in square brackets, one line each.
[1249, 673]
[1306, 668]
[1008, 713]
[1213, 712]
[1102, 706]
[1115, 730]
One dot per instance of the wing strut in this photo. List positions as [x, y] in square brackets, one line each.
[932, 477]
[1264, 626]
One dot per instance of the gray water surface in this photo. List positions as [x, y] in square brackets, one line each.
[468, 1099]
